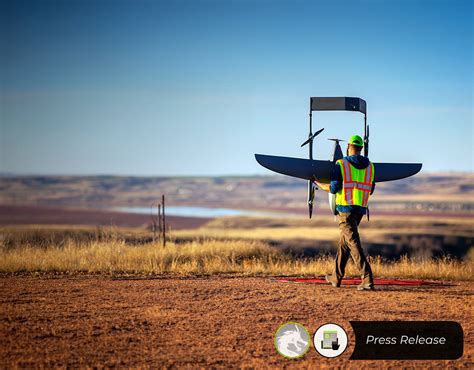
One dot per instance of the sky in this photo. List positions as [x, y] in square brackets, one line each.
[195, 88]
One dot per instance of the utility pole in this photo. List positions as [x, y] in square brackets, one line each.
[159, 221]
[164, 220]
[153, 222]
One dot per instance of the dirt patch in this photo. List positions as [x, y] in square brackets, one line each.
[24, 215]
[200, 322]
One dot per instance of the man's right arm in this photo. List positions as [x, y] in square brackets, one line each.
[336, 179]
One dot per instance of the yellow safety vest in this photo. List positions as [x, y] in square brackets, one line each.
[356, 184]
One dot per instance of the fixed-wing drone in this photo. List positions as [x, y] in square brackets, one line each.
[321, 171]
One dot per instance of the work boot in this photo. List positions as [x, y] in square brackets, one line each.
[365, 286]
[335, 283]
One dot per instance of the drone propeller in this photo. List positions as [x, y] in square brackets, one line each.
[337, 140]
[311, 187]
[312, 137]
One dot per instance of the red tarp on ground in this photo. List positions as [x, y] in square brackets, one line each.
[355, 281]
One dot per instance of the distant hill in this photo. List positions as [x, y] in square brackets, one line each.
[423, 190]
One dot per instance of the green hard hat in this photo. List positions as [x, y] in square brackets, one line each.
[356, 140]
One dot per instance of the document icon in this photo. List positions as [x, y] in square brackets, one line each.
[330, 340]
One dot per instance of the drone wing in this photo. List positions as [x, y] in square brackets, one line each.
[322, 170]
[297, 167]
[395, 171]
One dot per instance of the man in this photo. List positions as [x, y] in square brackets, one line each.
[353, 182]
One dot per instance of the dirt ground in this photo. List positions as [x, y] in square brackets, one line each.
[26, 215]
[224, 322]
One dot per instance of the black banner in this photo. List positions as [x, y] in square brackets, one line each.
[407, 340]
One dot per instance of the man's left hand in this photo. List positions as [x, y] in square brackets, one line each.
[324, 187]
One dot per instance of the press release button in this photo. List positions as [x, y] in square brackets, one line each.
[407, 340]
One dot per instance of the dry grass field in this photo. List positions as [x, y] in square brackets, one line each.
[387, 236]
[208, 258]
[236, 251]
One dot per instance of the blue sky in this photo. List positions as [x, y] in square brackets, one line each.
[198, 87]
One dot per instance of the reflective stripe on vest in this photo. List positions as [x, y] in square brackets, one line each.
[357, 184]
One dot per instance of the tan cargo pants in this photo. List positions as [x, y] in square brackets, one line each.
[350, 246]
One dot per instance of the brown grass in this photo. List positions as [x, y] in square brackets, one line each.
[244, 257]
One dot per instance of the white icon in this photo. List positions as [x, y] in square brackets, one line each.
[292, 340]
[330, 340]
